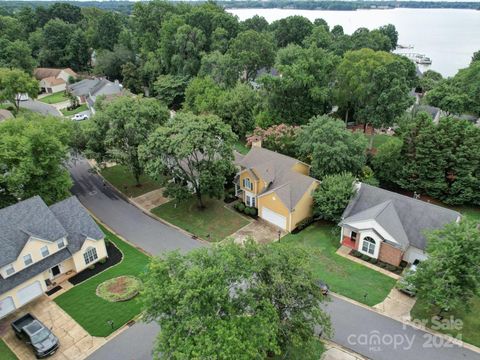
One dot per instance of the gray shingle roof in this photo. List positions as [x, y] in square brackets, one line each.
[82, 88]
[77, 222]
[398, 214]
[276, 169]
[18, 222]
[32, 217]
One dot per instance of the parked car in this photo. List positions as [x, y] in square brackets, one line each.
[323, 287]
[404, 285]
[30, 330]
[80, 117]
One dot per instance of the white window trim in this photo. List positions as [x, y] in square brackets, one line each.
[369, 246]
[41, 252]
[246, 181]
[31, 259]
[90, 255]
[62, 242]
[8, 268]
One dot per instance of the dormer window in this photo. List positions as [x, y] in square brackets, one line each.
[60, 244]
[44, 251]
[9, 270]
[27, 259]
[247, 184]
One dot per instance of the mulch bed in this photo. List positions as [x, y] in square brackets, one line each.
[114, 257]
[54, 290]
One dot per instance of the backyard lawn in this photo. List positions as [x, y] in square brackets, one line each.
[79, 109]
[342, 275]
[379, 139]
[5, 352]
[120, 177]
[214, 223]
[470, 331]
[241, 147]
[54, 98]
[92, 312]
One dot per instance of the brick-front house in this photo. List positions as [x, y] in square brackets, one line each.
[389, 226]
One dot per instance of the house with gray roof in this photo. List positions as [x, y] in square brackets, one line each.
[41, 244]
[88, 90]
[277, 185]
[391, 227]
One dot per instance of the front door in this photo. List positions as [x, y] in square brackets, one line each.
[55, 271]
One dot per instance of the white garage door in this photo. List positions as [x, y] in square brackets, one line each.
[29, 293]
[274, 218]
[6, 306]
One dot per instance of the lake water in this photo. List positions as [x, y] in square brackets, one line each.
[448, 36]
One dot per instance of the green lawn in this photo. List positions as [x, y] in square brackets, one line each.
[54, 98]
[470, 331]
[342, 275]
[120, 177]
[92, 312]
[5, 352]
[379, 139]
[241, 147]
[81, 108]
[214, 223]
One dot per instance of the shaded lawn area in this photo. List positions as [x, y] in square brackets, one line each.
[5, 352]
[470, 331]
[342, 275]
[379, 139]
[54, 98]
[214, 223]
[92, 312]
[241, 147]
[81, 108]
[120, 177]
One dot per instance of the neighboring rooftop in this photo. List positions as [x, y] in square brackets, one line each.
[277, 170]
[32, 217]
[401, 216]
[42, 73]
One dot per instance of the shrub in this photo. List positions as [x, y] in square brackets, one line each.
[304, 223]
[92, 267]
[382, 264]
[391, 267]
[356, 253]
[103, 261]
[373, 261]
[239, 207]
[365, 257]
[251, 211]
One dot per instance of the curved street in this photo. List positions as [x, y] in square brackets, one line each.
[364, 331]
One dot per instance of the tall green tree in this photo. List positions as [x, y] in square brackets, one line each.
[16, 54]
[449, 278]
[189, 43]
[253, 51]
[195, 152]
[291, 30]
[15, 82]
[55, 39]
[333, 195]
[33, 153]
[232, 301]
[373, 86]
[391, 32]
[305, 87]
[171, 90]
[330, 148]
[121, 127]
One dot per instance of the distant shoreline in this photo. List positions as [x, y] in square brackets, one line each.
[324, 5]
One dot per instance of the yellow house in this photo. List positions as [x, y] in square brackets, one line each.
[38, 244]
[277, 185]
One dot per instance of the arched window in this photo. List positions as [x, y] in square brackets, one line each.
[368, 245]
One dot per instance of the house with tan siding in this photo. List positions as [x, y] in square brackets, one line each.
[391, 227]
[39, 244]
[53, 80]
[277, 185]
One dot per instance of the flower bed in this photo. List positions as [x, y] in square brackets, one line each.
[392, 268]
[122, 288]
[247, 210]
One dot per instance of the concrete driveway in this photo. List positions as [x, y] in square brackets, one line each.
[75, 342]
[260, 230]
[40, 107]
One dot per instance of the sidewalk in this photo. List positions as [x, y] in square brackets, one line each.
[337, 352]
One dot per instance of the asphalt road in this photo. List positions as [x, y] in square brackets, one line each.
[364, 331]
[40, 107]
[126, 219]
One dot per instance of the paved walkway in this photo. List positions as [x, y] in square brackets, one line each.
[150, 200]
[75, 342]
[396, 305]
